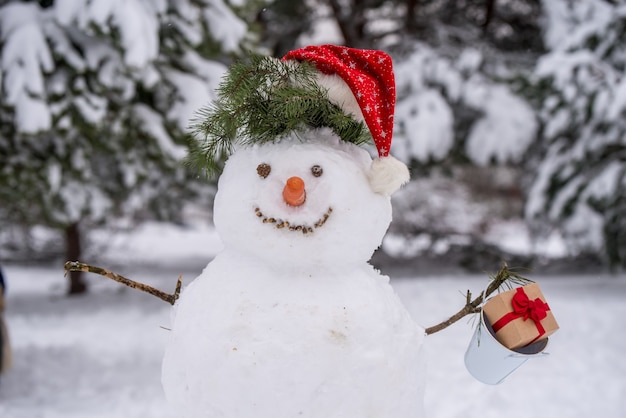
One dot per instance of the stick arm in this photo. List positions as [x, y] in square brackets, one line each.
[474, 306]
[169, 298]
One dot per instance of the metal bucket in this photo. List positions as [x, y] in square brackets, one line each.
[491, 362]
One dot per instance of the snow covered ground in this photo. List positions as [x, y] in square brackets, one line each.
[99, 355]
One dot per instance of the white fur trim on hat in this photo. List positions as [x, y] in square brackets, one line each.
[339, 94]
[387, 174]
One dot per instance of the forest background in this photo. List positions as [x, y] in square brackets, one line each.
[510, 114]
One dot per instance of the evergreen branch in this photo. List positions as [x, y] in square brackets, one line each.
[169, 298]
[504, 277]
[263, 101]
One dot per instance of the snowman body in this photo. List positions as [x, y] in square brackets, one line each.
[290, 320]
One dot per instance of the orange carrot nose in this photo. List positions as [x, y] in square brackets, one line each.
[294, 193]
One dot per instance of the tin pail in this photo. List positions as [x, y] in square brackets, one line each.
[489, 361]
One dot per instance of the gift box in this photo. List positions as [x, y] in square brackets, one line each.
[520, 316]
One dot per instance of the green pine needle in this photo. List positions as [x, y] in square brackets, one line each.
[262, 101]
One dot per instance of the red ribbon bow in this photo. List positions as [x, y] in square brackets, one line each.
[526, 309]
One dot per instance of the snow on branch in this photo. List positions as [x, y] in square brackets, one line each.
[22, 68]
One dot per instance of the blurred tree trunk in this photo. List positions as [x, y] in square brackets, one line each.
[411, 7]
[77, 284]
[489, 8]
[351, 21]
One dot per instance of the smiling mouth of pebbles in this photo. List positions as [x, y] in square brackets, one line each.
[281, 224]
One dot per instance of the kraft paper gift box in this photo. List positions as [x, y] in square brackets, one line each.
[520, 316]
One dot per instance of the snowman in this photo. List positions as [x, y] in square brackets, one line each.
[290, 320]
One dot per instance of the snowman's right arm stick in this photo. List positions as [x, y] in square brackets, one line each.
[474, 306]
[170, 298]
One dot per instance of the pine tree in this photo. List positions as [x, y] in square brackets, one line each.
[453, 110]
[96, 99]
[580, 89]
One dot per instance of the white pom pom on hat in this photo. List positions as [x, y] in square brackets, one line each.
[388, 174]
[361, 82]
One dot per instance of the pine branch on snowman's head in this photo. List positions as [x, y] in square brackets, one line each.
[351, 91]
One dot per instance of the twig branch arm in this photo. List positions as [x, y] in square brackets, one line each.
[469, 308]
[473, 306]
[169, 298]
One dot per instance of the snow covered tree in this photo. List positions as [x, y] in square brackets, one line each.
[561, 120]
[465, 132]
[535, 85]
[452, 106]
[508, 25]
[281, 22]
[453, 94]
[452, 61]
[580, 89]
[96, 98]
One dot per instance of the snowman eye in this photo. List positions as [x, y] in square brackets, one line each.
[316, 170]
[263, 170]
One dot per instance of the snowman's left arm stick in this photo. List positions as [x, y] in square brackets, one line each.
[474, 306]
[469, 308]
[169, 298]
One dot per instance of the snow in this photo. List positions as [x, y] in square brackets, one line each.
[66, 70]
[100, 355]
[324, 30]
[153, 241]
[606, 183]
[433, 89]
[295, 157]
[557, 123]
[470, 60]
[505, 131]
[584, 229]
[618, 104]
[561, 65]
[23, 68]
[151, 122]
[567, 24]
[428, 124]
[224, 25]
[576, 185]
[137, 22]
[436, 203]
[93, 108]
[197, 93]
[75, 198]
[211, 71]
[423, 117]
[139, 27]
[284, 310]
[55, 173]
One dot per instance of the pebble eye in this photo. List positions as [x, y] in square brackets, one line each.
[263, 170]
[316, 170]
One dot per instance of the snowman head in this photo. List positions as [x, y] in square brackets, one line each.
[303, 201]
[351, 91]
[298, 186]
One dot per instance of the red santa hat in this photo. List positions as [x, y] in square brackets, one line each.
[362, 83]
